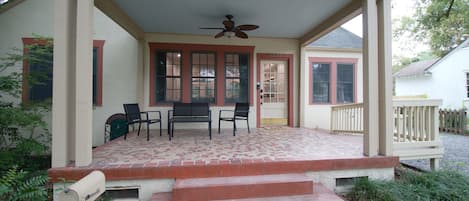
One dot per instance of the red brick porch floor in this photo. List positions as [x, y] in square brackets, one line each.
[191, 154]
[190, 147]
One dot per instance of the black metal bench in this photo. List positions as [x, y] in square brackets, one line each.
[189, 113]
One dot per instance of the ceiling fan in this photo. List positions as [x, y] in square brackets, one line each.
[232, 30]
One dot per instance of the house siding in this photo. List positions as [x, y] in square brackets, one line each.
[318, 115]
[31, 18]
[447, 81]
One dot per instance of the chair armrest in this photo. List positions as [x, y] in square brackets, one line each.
[219, 112]
[159, 113]
[146, 115]
[169, 113]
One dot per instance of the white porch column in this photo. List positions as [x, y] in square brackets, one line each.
[303, 85]
[72, 99]
[385, 78]
[370, 78]
[140, 74]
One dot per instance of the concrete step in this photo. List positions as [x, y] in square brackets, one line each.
[161, 197]
[219, 188]
[321, 193]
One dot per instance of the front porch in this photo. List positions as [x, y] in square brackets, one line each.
[322, 156]
[191, 147]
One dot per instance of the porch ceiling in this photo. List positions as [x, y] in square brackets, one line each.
[276, 18]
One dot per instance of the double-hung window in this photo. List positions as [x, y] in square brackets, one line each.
[321, 82]
[345, 83]
[236, 78]
[38, 66]
[333, 80]
[39, 60]
[216, 74]
[203, 77]
[168, 76]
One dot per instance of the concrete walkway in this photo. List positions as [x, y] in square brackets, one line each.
[456, 155]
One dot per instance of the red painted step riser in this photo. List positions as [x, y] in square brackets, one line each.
[242, 191]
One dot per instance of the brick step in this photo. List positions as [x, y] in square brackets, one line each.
[218, 188]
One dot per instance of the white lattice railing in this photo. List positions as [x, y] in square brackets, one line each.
[347, 118]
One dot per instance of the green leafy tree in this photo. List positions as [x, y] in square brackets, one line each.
[445, 23]
[24, 135]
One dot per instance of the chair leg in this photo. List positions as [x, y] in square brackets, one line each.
[247, 122]
[169, 131]
[169, 126]
[219, 126]
[234, 127]
[148, 131]
[160, 128]
[172, 129]
[210, 129]
[139, 126]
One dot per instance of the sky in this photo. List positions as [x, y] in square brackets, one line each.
[401, 46]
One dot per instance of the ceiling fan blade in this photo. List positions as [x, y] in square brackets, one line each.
[221, 34]
[241, 34]
[211, 28]
[247, 27]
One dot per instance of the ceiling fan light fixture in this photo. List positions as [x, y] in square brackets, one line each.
[229, 34]
[230, 30]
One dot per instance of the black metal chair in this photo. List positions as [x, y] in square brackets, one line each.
[241, 112]
[134, 115]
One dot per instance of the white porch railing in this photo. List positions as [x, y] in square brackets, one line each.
[347, 118]
[415, 135]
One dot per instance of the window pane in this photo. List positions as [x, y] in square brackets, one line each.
[168, 76]
[345, 83]
[321, 83]
[236, 78]
[203, 77]
[203, 90]
[40, 69]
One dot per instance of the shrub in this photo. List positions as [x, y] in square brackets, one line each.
[438, 185]
[17, 185]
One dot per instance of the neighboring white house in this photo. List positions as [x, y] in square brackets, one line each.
[446, 78]
[337, 60]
